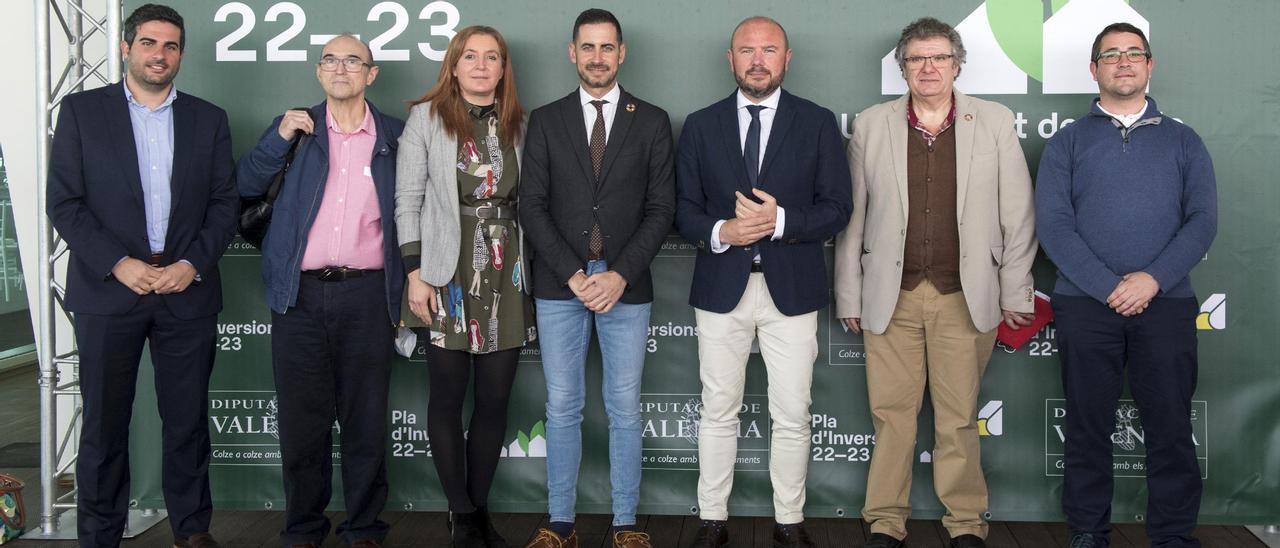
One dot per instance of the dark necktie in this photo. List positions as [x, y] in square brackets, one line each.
[595, 249]
[751, 149]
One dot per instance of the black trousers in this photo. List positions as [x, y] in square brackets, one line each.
[331, 354]
[182, 353]
[1156, 351]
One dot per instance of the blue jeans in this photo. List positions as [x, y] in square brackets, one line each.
[564, 333]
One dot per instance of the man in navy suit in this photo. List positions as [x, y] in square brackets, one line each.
[762, 183]
[140, 187]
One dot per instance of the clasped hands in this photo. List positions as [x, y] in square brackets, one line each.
[598, 292]
[1133, 294]
[142, 278]
[752, 221]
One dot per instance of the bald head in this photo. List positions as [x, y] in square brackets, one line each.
[345, 69]
[349, 39]
[756, 21]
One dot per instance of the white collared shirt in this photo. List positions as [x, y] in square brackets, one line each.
[1127, 120]
[767, 114]
[770, 109]
[610, 108]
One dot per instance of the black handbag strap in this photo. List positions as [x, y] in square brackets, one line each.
[274, 189]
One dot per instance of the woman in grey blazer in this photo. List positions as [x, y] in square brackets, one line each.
[456, 187]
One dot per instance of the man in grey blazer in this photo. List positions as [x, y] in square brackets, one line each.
[938, 252]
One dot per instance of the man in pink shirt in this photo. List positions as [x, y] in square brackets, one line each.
[334, 277]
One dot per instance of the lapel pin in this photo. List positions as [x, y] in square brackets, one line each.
[968, 117]
[631, 107]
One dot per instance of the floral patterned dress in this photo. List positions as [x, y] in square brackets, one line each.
[483, 309]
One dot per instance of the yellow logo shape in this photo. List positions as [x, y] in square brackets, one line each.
[991, 419]
[1213, 313]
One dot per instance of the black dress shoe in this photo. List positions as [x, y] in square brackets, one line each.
[881, 540]
[791, 535]
[711, 534]
[1085, 540]
[968, 541]
[198, 540]
[484, 524]
[465, 530]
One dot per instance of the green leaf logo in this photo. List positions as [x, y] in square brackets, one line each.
[1018, 26]
[1019, 29]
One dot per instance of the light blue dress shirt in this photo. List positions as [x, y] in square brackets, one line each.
[153, 137]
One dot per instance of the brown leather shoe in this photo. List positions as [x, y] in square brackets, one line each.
[198, 540]
[631, 539]
[547, 539]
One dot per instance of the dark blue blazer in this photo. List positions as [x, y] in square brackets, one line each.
[95, 201]
[299, 200]
[804, 168]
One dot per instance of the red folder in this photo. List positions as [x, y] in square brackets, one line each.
[1015, 338]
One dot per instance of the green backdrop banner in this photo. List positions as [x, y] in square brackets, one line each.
[1216, 70]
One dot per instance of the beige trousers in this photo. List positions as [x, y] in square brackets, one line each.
[930, 338]
[789, 345]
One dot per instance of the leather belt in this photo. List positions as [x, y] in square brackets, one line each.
[338, 273]
[755, 267]
[157, 260]
[489, 212]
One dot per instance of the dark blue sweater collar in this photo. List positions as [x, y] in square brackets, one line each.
[1152, 113]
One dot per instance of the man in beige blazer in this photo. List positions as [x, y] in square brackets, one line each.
[938, 252]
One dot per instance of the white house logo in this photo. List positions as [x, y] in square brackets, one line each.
[1009, 41]
[1213, 313]
[532, 444]
[991, 419]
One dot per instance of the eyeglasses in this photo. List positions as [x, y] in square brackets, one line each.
[1112, 56]
[917, 61]
[330, 64]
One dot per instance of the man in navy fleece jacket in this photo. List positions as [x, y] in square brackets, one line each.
[1125, 207]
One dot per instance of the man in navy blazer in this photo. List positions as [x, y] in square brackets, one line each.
[140, 187]
[762, 183]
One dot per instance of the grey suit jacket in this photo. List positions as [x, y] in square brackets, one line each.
[427, 203]
[994, 210]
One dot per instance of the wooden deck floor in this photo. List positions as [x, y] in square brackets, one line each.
[19, 421]
[241, 529]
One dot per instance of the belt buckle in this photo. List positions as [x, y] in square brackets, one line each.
[487, 211]
[331, 274]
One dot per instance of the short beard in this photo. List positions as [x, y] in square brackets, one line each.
[590, 84]
[760, 92]
[140, 78]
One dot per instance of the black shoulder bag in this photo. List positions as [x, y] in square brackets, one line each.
[255, 213]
